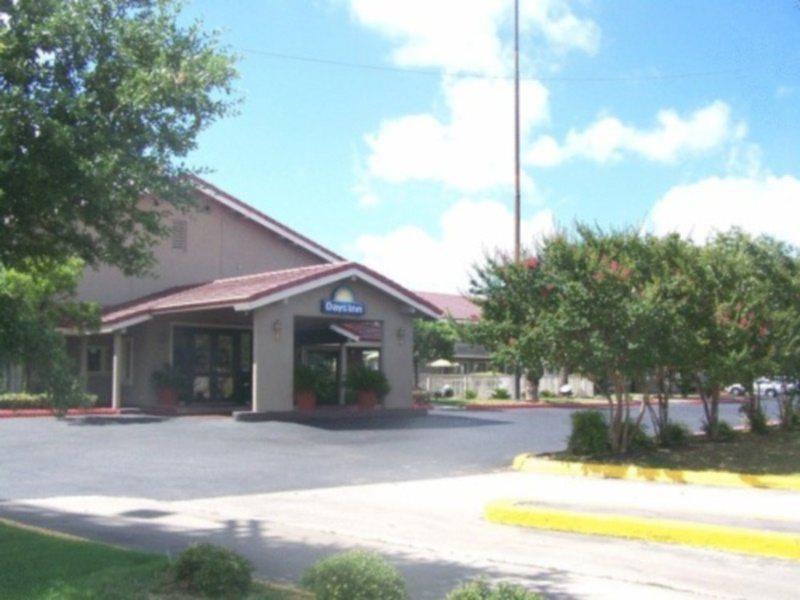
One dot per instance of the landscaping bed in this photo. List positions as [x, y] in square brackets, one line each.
[777, 453]
[37, 563]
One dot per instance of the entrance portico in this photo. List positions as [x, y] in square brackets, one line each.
[236, 341]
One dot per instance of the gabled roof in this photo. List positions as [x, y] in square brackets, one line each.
[214, 193]
[456, 306]
[249, 292]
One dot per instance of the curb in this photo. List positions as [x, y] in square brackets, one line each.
[686, 533]
[531, 464]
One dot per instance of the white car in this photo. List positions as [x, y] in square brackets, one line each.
[764, 386]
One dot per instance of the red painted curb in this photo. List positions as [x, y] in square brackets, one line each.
[7, 413]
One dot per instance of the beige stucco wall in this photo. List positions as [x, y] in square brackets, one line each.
[274, 356]
[220, 243]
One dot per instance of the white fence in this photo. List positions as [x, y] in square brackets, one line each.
[486, 383]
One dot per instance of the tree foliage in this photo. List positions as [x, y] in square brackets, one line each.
[433, 340]
[37, 302]
[100, 102]
[627, 310]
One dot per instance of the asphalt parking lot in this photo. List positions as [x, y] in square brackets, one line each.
[197, 457]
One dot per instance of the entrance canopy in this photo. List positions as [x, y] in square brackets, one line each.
[250, 292]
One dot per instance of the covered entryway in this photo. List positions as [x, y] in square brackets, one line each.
[333, 348]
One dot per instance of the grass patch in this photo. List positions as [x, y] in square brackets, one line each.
[776, 453]
[37, 564]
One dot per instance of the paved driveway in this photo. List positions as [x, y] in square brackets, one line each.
[194, 457]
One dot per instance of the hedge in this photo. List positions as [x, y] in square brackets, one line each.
[25, 400]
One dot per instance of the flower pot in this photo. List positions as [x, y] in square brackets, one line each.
[305, 400]
[167, 396]
[366, 399]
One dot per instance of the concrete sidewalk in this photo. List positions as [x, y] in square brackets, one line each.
[433, 530]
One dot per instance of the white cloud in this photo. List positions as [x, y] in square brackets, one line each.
[459, 35]
[609, 139]
[472, 150]
[759, 205]
[468, 230]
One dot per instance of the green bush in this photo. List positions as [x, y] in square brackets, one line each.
[311, 379]
[355, 576]
[471, 394]
[363, 379]
[589, 435]
[212, 572]
[24, 400]
[638, 438]
[756, 418]
[501, 394]
[675, 434]
[725, 433]
[546, 394]
[480, 590]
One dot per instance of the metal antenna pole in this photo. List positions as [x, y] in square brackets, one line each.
[517, 194]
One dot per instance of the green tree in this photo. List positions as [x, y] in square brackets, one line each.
[37, 302]
[432, 340]
[100, 102]
[512, 296]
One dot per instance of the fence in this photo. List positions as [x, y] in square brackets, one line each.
[486, 383]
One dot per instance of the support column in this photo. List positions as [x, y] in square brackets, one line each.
[342, 374]
[273, 358]
[116, 372]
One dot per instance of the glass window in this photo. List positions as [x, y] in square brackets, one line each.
[202, 351]
[127, 349]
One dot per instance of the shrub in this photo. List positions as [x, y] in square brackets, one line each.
[675, 434]
[589, 433]
[756, 418]
[355, 576]
[638, 438]
[310, 379]
[725, 433]
[362, 379]
[546, 394]
[169, 377]
[471, 394]
[24, 400]
[213, 572]
[501, 394]
[480, 590]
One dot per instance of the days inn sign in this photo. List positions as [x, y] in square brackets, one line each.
[342, 302]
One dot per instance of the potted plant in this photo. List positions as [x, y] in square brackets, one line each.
[307, 382]
[369, 386]
[169, 382]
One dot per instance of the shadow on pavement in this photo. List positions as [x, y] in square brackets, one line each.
[389, 422]
[274, 558]
[115, 420]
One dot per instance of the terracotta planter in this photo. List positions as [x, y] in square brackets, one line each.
[167, 396]
[305, 400]
[366, 399]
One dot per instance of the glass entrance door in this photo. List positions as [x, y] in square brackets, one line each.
[216, 363]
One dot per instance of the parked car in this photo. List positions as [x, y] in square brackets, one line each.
[765, 386]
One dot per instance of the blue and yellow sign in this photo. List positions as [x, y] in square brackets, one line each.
[343, 302]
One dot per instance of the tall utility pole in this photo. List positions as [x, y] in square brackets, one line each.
[517, 195]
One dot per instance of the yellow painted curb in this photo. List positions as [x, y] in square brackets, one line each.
[531, 464]
[703, 535]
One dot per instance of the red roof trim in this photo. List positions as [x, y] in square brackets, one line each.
[169, 301]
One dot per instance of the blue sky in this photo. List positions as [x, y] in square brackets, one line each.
[669, 114]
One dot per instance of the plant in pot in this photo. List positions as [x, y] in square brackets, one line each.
[369, 386]
[307, 384]
[168, 382]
